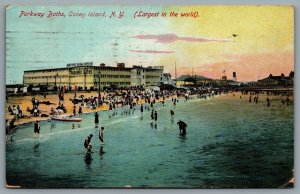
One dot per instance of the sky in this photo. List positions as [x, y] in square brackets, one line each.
[252, 41]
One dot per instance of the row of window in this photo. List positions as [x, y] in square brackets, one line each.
[112, 69]
[58, 78]
[151, 83]
[115, 76]
[47, 77]
[81, 83]
[109, 83]
[139, 72]
[48, 83]
[152, 77]
[80, 72]
[153, 70]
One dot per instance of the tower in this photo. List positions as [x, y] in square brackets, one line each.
[234, 76]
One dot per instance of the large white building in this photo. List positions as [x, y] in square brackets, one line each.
[86, 76]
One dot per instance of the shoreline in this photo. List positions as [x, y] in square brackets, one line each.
[69, 105]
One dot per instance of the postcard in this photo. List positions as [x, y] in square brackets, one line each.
[144, 96]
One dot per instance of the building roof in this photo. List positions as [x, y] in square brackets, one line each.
[47, 69]
[101, 66]
[223, 80]
[268, 79]
[282, 77]
[192, 78]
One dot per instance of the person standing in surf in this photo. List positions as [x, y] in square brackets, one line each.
[268, 101]
[172, 113]
[88, 152]
[87, 140]
[101, 135]
[142, 108]
[142, 111]
[172, 116]
[96, 120]
[182, 127]
[37, 129]
[155, 116]
[152, 114]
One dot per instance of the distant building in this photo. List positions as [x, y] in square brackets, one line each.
[223, 82]
[166, 79]
[281, 80]
[192, 80]
[85, 76]
[14, 88]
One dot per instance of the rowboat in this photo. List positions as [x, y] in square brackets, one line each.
[66, 119]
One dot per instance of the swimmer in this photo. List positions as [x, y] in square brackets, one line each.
[101, 135]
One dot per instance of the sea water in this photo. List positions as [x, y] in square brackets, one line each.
[230, 143]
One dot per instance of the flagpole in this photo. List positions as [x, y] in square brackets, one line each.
[175, 71]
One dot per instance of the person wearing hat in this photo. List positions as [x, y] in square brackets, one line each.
[37, 129]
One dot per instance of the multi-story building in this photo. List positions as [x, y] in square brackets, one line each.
[149, 76]
[88, 77]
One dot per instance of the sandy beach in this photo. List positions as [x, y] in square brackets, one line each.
[25, 101]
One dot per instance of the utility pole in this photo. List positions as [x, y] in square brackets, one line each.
[99, 81]
[175, 71]
[55, 80]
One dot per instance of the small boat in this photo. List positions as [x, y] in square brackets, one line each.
[67, 119]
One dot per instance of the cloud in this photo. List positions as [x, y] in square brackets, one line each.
[169, 38]
[151, 51]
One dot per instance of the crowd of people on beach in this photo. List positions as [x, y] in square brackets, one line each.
[16, 111]
[255, 94]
